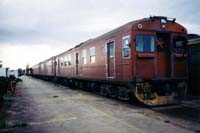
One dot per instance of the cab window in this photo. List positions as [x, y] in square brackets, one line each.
[179, 44]
[145, 43]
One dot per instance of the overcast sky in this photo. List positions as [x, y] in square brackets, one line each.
[34, 30]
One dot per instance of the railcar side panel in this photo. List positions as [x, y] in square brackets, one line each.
[145, 58]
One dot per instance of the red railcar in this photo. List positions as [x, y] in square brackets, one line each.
[35, 70]
[146, 58]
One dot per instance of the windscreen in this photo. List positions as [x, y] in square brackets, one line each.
[145, 43]
[179, 44]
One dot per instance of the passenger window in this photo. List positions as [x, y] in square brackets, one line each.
[65, 61]
[61, 62]
[84, 56]
[92, 55]
[126, 46]
[145, 43]
[68, 60]
[42, 66]
[49, 64]
[58, 62]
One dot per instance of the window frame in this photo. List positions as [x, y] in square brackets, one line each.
[145, 51]
[84, 51]
[108, 49]
[49, 63]
[92, 55]
[68, 60]
[123, 38]
[65, 61]
[61, 62]
[175, 49]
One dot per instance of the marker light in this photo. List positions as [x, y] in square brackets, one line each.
[139, 26]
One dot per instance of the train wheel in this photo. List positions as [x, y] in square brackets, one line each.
[113, 91]
[54, 80]
[82, 85]
[94, 87]
[90, 86]
[76, 84]
[65, 82]
[181, 90]
[123, 93]
[103, 90]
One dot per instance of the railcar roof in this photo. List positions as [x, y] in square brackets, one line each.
[105, 36]
[111, 33]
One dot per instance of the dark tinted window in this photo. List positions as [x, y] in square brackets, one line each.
[179, 43]
[145, 43]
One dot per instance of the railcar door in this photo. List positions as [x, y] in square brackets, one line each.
[145, 55]
[54, 64]
[163, 55]
[111, 59]
[58, 67]
[77, 64]
[179, 56]
[40, 69]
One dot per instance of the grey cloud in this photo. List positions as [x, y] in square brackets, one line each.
[32, 28]
[78, 20]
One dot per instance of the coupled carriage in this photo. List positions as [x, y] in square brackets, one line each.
[145, 59]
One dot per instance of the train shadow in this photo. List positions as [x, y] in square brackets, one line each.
[181, 111]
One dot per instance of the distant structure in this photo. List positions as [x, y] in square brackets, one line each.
[28, 70]
[193, 36]
[4, 72]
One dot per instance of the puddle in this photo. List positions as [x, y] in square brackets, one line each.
[55, 96]
[167, 121]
